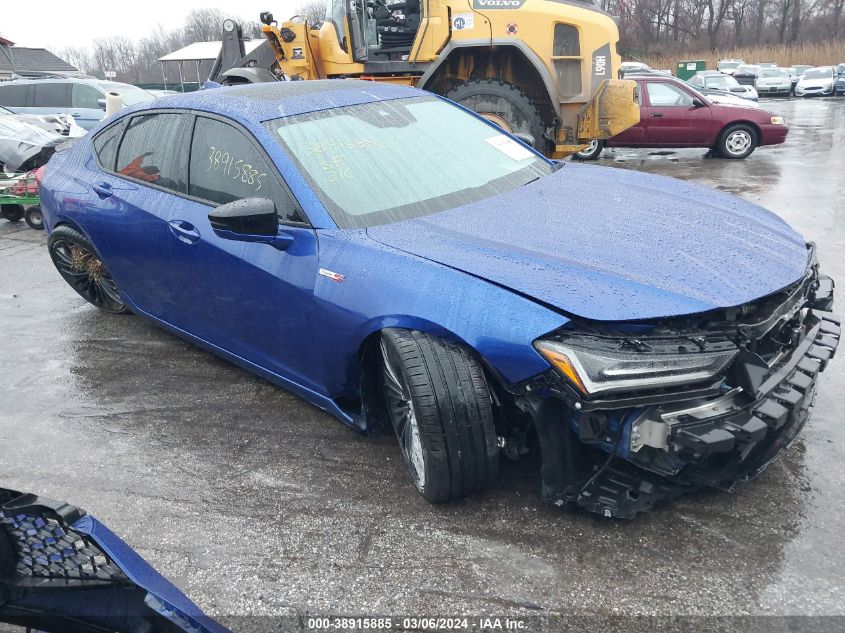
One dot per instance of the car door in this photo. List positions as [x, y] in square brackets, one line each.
[635, 135]
[50, 97]
[133, 194]
[85, 105]
[673, 119]
[15, 96]
[250, 299]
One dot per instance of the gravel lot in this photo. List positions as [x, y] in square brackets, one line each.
[256, 503]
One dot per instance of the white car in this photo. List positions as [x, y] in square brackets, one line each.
[632, 67]
[732, 100]
[773, 81]
[816, 81]
[728, 66]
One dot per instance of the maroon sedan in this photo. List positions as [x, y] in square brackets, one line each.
[673, 114]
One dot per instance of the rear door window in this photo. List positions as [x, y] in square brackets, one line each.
[105, 145]
[85, 96]
[152, 150]
[227, 165]
[13, 96]
[52, 95]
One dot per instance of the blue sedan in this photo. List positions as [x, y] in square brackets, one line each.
[401, 262]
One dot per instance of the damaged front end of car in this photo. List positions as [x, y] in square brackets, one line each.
[634, 413]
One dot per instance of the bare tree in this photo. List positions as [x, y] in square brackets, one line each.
[312, 12]
[203, 25]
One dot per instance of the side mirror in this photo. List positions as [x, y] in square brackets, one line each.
[101, 103]
[698, 103]
[249, 220]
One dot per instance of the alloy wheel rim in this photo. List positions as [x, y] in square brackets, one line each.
[404, 419]
[738, 142]
[86, 274]
[590, 148]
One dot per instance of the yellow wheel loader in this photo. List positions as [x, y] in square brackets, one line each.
[542, 69]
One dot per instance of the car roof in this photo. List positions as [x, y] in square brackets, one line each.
[51, 80]
[272, 100]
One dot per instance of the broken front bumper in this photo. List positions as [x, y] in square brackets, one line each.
[720, 442]
[620, 450]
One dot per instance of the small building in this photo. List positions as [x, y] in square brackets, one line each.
[29, 62]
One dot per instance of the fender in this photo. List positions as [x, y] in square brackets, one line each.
[549, 81]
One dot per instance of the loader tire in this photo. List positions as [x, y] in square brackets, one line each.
[503, 104]
[439, 404]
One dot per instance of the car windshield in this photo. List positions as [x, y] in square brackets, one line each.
[720, 81]
[382, 162]
[727, 65]
[751, 70]
[773, 72]
[818, 73]
[131, 94]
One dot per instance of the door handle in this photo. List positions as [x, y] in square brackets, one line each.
[103, 190]
[185, 231]
[656, 115]
[75, 115]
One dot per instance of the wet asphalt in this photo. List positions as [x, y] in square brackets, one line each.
[256, 503]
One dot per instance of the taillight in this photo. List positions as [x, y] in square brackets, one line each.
[39, 174]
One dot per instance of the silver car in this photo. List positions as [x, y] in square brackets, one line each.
[773, 81]
[816, 81]
[82, 98]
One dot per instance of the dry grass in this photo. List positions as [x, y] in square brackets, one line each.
[816, 54]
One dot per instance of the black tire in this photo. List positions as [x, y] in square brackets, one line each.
[728, 147]
[80, 266]
[592, 152]
[499, 99]
[34, 218]
[438, 390]
[12, 212]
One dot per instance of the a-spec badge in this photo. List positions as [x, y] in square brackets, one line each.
[332, 275]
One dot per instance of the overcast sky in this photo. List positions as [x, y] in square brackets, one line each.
[56, 25]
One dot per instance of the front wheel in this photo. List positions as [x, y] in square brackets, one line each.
[80, 266]
[593, 151]
[736, 141]
[439, 404]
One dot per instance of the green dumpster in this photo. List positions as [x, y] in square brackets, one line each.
[688, 68]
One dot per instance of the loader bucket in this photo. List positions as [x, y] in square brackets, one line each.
[613, 109]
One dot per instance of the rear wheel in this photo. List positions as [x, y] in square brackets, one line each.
[440, 407]
[77, 261]
[504, 104]
[736, 141]
[12, 212]
[34, 218]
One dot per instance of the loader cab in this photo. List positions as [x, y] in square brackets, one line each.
[378, 30]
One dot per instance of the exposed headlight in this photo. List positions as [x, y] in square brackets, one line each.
[778, 120]
[601, 369]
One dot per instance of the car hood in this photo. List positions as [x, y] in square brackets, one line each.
[611, 244]
[815, 82]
